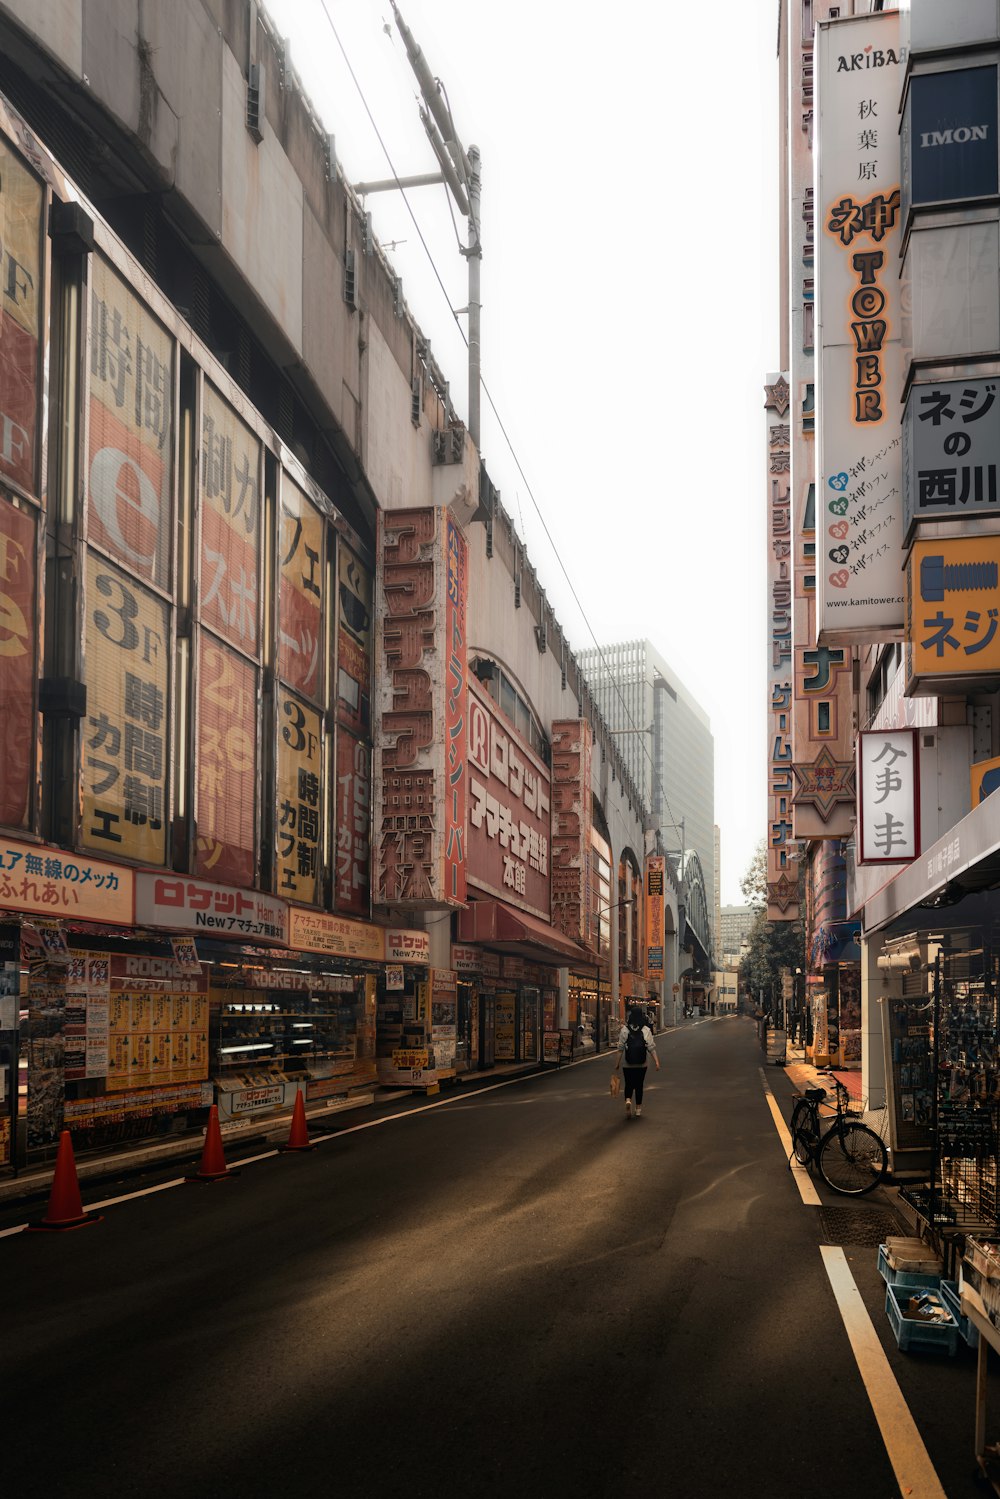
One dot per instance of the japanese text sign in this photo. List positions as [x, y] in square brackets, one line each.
[782, 897]
[230, 524]
[951, 450]
[51, 882]
[21, 203]
[889, 796]
[404, 946]
[18, 637]
[227, 764]
[572, 825]
[352, 879]
[298, 816]
[509, 818]
[354, 641]
[125, 738]
[314, 931]
[300, 596]
[183, 904]
[655, 876]
[129, 509]
[859, 451]
[953, 606]
[420, 768]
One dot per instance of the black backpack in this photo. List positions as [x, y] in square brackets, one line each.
[635, 1047]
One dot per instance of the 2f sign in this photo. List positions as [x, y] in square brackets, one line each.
[889, 795]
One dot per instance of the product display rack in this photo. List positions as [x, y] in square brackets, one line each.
[959, 1076]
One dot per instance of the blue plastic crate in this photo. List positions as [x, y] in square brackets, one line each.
[951, 1296]
[904, 1277]
[914, 1336]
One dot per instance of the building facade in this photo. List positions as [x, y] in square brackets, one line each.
[303, 790]
[896, 541]
[666, 741]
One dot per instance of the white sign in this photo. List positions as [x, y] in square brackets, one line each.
[889, 792]
[859, 498]
[407, 946]
[190, 905]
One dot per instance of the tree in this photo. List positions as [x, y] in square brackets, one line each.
[772, 945]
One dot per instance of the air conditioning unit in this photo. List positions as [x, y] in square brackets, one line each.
[449, 446]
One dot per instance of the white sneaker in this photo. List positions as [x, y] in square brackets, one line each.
[628, 1108]
[638, 1110]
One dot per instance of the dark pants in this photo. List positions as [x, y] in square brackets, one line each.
[635, 1077]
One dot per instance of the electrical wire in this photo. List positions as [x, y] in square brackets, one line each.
[499, 420]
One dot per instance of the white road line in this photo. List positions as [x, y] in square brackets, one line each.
[17, 1229]
[803, 1180]
[109, 1202]
[913, 1469]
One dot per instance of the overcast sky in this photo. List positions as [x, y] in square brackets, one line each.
[629, 288]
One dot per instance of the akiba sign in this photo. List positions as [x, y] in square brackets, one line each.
[953, 135]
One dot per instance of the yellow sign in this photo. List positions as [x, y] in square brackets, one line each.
[126, 745]
[300, 798]
[953, 606]
[985, 780]
[314, 931]
[654, 891]
[51, 882]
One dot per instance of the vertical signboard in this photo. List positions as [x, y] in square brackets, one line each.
[859, 462]
[455, 714]
[888, 796]
[130, 433]
[352, 878]
[18, 635]
[230, 524]
[226, 764]
[298, 814]
[354, 641]
[509, 823]
[572, 825]
[21, 202]
[418, 859]
[125, 745]
[782, 896]
[952, 131]
[655, 876]
[300, 592]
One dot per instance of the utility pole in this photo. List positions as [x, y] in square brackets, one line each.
[460, 172]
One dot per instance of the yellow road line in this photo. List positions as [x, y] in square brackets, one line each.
[803, 1180]
[914, 1473]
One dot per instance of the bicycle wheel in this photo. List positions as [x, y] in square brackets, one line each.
[852, 1159]
[804, 1142]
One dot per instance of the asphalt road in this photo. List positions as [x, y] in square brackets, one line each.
[513, 1291]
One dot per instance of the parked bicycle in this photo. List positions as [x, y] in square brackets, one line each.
[852, 1158]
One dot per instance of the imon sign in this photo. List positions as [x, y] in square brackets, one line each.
[509, 824]
[889, 796]
[859, 458]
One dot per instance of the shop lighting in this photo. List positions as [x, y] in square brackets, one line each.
[302, 1025]
[250, 1046]
[303, 1041]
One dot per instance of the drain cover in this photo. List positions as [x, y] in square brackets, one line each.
[865, 1226]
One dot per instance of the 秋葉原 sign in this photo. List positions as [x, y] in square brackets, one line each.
[888, 796]
[859, 505]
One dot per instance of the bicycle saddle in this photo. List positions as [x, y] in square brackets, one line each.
[814, 1093]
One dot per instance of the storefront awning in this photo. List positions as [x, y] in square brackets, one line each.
[964, 861]
[498, 925]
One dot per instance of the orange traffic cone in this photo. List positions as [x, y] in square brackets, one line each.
[65, 1209]
[213, 1166]
[298, 1135]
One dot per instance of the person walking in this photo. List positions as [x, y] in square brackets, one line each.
[635, 1045]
